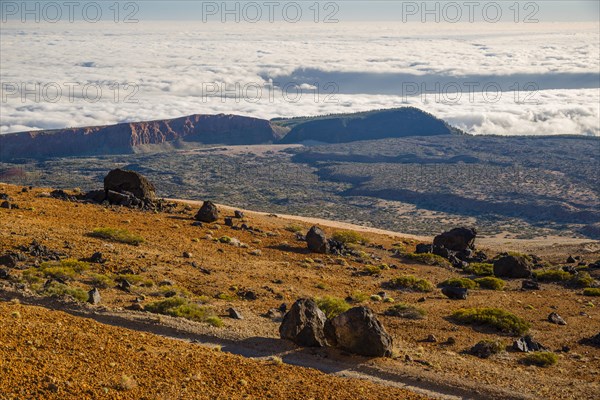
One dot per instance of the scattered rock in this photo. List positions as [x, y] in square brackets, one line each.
[526, 344]
[238, 214]
[95, 196]
[5, 204]
[486, 348]
[423, 248]
[556, 319]
[248, 295]
[208, 212]
[512, 266]
[304, 324]
[571, 260]
[120, 181]
[187, 254]
[9, 260]
[36, 249]
[166, 282]
[274, 314]
[431, 339]
[228, 221]
[4, 274]
[451, 340]
[124, 285]
[595, 340]
[94, 297]
[457, 239]
[234, 314]
[198, 223]
[97, 258]
[317, 241]
[455, 293]
[530, 285]
[359, 331]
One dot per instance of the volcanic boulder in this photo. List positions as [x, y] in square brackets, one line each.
[304, 324]
[512, 266]
[208, 212]
[359, 331]
[122, 181]
[317, 241]
[457, 239]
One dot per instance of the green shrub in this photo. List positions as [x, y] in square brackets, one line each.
[56, 289]
[374, 269]
[348, 237]
[332, 306]
[553, 275]
[403, 310]
[490, 282]
[583, 280]
[135, 279]
[225, 239]
[321, 286]
[540, 359]
[460, 282]
[428, 258]
[410, 282]
[180, 307]
[117, 235]
[227, 296]
[480, 269]
[358, 296]
[63, 269]
[101, 281]
[294, 228]
[494, 318]
[591, 292]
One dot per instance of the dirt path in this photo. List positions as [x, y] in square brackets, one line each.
[325, 360]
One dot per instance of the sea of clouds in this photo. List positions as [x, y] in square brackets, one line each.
[505, 79]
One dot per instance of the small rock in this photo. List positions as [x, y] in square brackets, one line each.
[304, 324]
[486, 348]
[124, 285]
[526, 344]
[530, 285]
[4, 274]
[97, 258]
[451, 340]
[571, 260]
[455, 293]
[274, 314]
[198, 223]
[166, 282]
[431, 339]
[238, 214]
[5, 204]
[208, 212]
[421, 299]
[282, 307]
[228, 221]
[595, 340]
[187, 254]
[94, 296]
[234, 314]
[556, 319]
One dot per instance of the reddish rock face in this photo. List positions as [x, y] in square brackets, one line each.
[125, 138]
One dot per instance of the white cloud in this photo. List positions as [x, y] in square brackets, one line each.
[189, 68]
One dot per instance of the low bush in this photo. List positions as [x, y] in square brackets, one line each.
[101, 281]
[583, 280]
[117, 235]
[294, 228]
[358, 296]
[411, 282]
[460, 282]
[591, 292]
[332, 306]
[428, 258]
[348, 237]
[56, 289]
[553, 275]
[493, 317]
[490, 282]
[183, 308]
[135, 279]
[374, 270]
[540, 359]
[480, 269]
[407, 311]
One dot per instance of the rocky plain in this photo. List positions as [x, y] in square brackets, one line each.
[114, 292]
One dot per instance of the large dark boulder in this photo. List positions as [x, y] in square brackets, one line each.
[512, 266]
[457, 239]
[304, 324]
[208, 212]
[527, 344]
[120, 181]
[455, 293]
[317, 241]
[359, 331]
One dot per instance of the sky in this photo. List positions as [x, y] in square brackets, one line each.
[514, 76]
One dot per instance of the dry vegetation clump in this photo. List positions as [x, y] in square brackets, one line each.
[407, 311]
[494, 318]
[56, 289]
[349, 237]
[540, 359]
[490, 282]
[332, 306]
[553, 275]
[591, 292]
[480, 269]
[180, 307]
[428, 258]
[117, 235]
[410, 282]
[465, 283]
